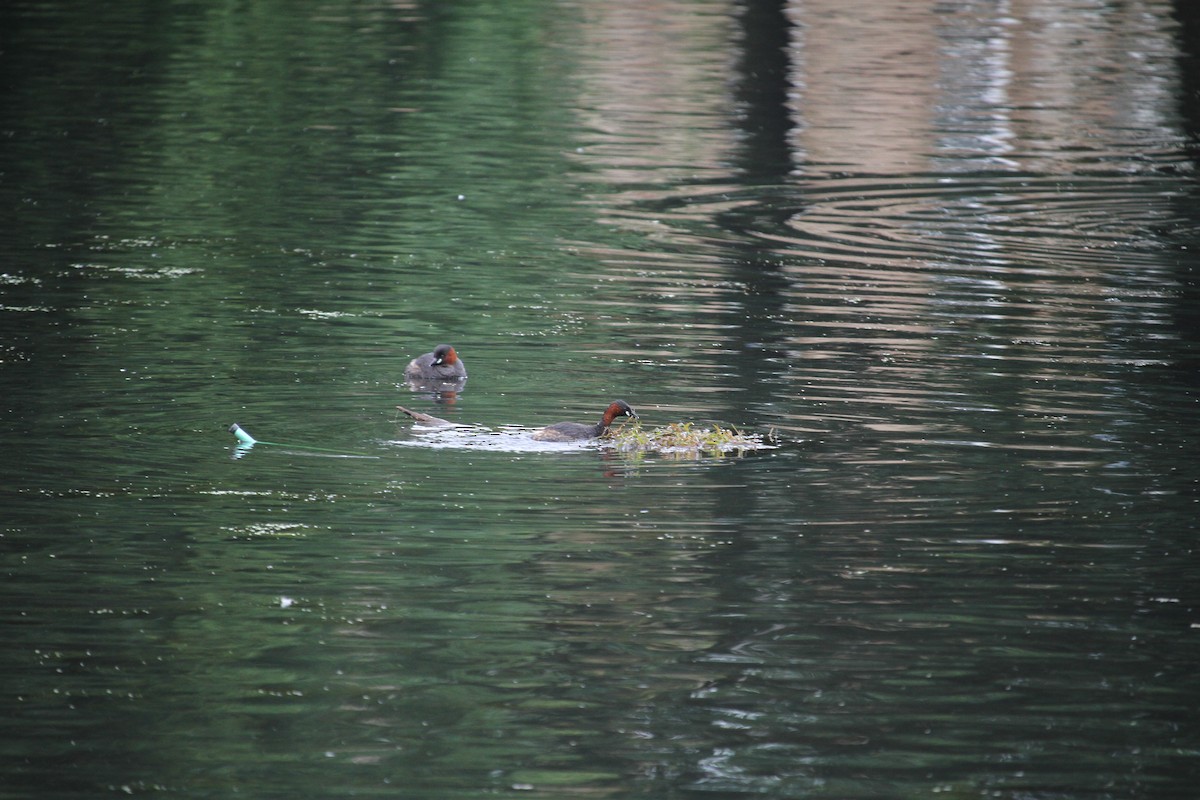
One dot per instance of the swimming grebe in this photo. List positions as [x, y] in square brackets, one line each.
[577, 431]
[443, 364]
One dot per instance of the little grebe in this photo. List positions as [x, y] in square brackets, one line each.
[443, 364]
[577, 431]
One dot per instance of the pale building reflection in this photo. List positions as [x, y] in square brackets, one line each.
[958, 186]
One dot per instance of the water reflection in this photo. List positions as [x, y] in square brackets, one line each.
[944, 248]
[441, 391]
[1010, 87]
[643, 61]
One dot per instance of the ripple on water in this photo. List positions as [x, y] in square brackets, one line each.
[506, 439]
[1001, 310]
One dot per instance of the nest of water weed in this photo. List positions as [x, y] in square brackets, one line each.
[684, 440]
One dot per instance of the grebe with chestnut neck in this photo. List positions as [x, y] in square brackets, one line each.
[578, 431]
[443, 364]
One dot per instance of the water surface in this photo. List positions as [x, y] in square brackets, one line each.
[945, 252]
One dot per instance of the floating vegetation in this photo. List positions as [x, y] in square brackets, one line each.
[683, 439]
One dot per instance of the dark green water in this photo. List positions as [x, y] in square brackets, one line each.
[948, 252]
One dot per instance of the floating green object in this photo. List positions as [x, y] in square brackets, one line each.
[244, 439]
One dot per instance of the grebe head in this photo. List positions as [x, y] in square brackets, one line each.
[618, 408]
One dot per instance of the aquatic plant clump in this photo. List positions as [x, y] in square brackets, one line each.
[685, 439]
